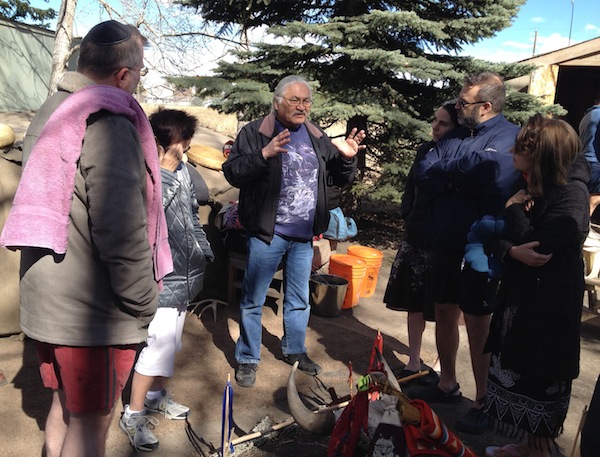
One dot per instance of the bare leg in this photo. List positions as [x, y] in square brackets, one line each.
[416, 326]
[56, 425]
[478, 328]
[140, 385]
[446, 339]
[594, 202]
[86, 435]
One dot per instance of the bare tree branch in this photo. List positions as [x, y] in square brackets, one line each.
[62, 43]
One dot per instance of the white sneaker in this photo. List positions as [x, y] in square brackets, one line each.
[137, 427]
[165, 405]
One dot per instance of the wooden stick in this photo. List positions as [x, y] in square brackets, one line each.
[416, 375]
[274, 428]
[581, 422]
[334, 406]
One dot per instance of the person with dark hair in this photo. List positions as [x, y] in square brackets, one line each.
[89, 221]
[283, 164]
[535, 332]
[467, 176]
[589, 133]
[408, 285]
[191, 250]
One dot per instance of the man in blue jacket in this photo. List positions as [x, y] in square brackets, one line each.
[590, 139]
[468, 175]
[282, 165]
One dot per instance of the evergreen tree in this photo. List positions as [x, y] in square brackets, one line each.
[379, 65]
[21, 10]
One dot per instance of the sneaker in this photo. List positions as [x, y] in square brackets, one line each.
[304, 363]
[137, 427]
[474, 422]
[245, 374]
[433, 394]
[166, 406]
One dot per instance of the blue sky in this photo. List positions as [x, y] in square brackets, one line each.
[550, 18]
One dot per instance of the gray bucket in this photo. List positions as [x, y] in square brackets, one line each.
[327, 294]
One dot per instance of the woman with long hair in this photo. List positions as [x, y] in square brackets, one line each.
[534, 334]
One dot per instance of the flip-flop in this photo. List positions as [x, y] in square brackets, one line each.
[510, 450]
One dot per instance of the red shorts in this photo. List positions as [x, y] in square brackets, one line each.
[92, 378]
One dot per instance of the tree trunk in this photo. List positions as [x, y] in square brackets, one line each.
[62, 42]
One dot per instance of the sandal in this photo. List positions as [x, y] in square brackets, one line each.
[433, 377]
[510, 450]
[433, 394]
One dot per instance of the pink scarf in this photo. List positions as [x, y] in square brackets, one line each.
[39, 216]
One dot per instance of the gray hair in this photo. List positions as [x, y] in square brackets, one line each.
[282, 87]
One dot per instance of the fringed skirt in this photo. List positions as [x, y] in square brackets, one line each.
[406, 289]
[522, 405]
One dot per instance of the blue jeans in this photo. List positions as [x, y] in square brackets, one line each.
[263, 260]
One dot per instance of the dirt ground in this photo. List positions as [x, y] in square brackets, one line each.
[207, 359]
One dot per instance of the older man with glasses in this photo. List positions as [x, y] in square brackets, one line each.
[282, 164]
[467, 175]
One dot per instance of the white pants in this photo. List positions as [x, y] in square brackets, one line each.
[163, 342]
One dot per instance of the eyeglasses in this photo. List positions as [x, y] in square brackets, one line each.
[297, 102]
[463, 104]
[142, 71]
[187, 149]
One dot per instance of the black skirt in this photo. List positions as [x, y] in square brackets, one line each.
[525, 405]
[408, 285]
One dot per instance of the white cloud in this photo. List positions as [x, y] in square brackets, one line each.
[591, 27]
[551, 43]
[514, 51]
[517, 44]
[538, 19]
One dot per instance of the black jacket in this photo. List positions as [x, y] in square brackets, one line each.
[259, 180]
[536, 326]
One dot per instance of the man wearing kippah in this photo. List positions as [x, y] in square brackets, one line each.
[89, 221]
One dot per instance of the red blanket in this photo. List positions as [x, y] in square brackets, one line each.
[432, 437]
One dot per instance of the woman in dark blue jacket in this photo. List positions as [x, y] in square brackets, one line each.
[407, 287]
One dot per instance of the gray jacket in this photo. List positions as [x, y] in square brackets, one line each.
[102, 291]
[69, 83]
[189, 246]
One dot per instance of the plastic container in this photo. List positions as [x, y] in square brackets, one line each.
[373, 258]
[327, 293]
[353, 270]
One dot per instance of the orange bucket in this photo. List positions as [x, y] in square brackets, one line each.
[353, 270]
[373, 258]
